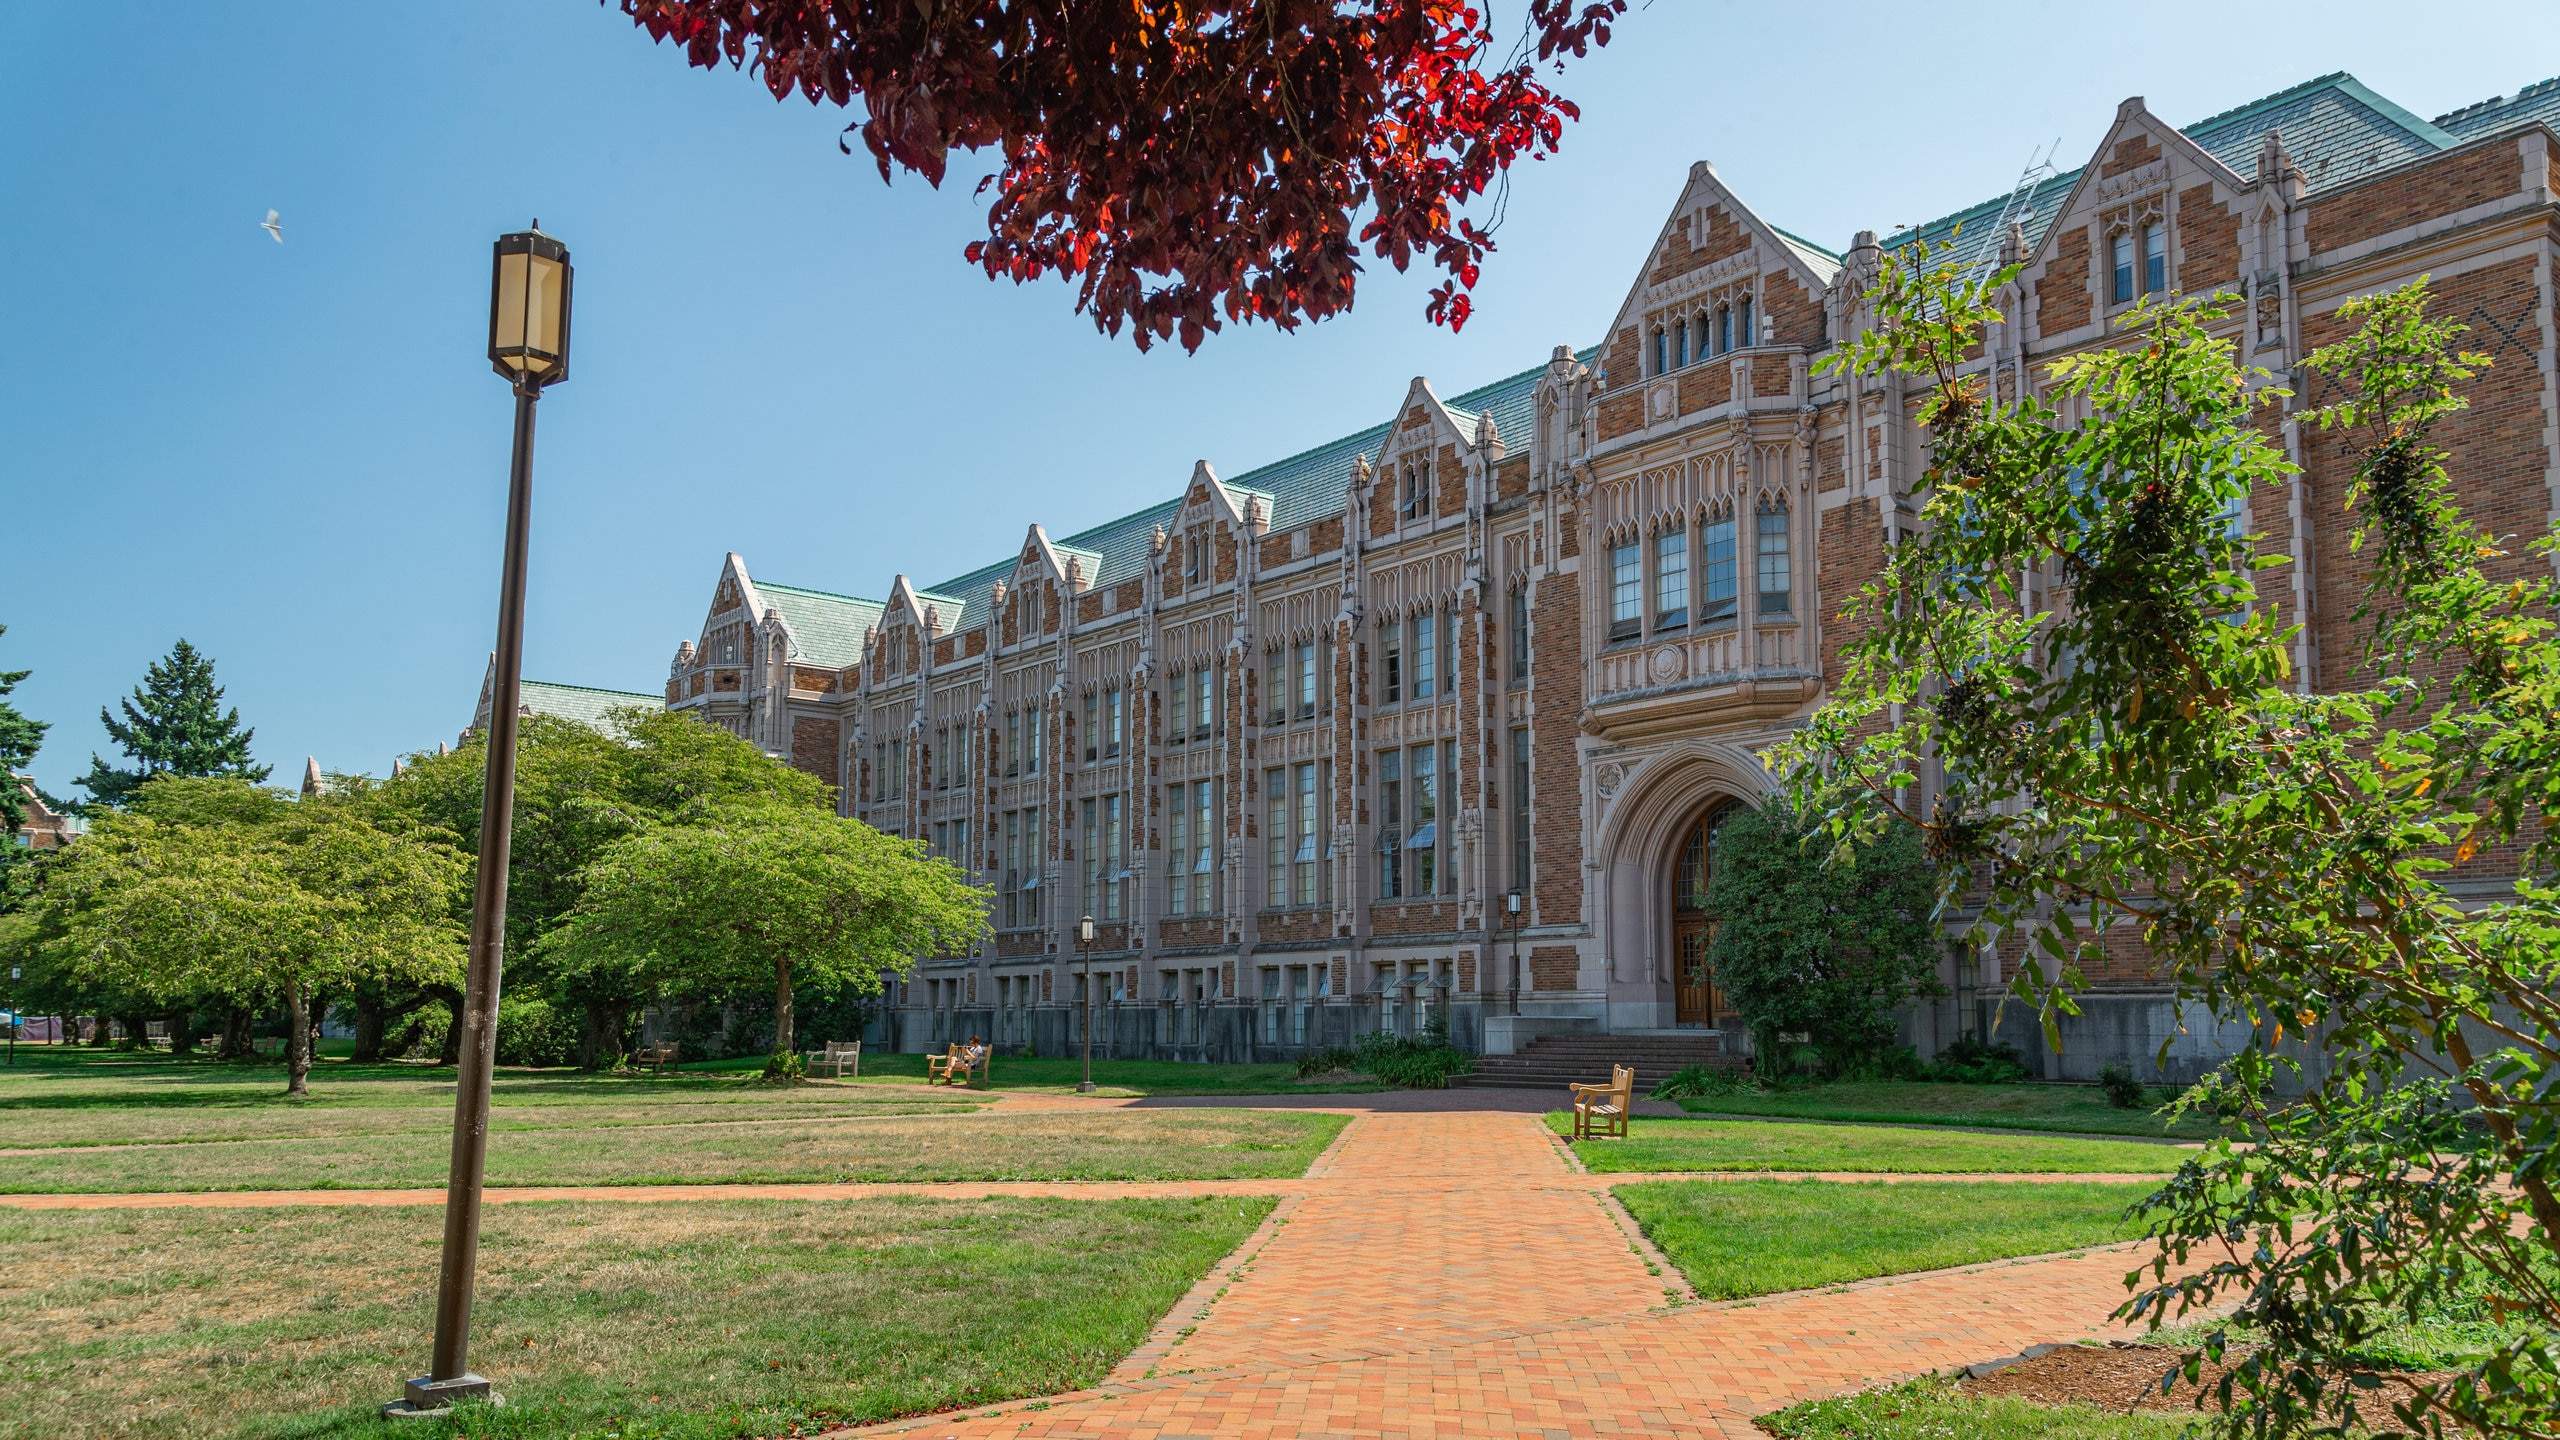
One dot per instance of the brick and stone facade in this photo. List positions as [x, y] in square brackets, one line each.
[1292, 737]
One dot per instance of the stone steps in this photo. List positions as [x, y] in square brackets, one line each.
[1552, 1062]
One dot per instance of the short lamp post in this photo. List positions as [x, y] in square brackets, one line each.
[1084, 943]
[529, 348]
[1511, 915]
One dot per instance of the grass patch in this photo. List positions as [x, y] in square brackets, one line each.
[1734, 1238]
[656, 1322]
[2081, 1108]
[1769, 1145]
[1099, 1145]
[1935, 1410]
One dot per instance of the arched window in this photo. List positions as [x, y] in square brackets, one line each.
[1661, 350]
[1724, 329]
[1750, 337]
[1680, 343]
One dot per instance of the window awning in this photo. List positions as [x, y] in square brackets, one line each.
[1033, 883]
[1424, 838]
[1306, 848]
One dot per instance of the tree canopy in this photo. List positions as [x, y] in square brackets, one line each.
[766, 892]
[2126, 748]
[20, 737]
[1187, 165]
[173, 724]
[218, 887]
[1826, 950]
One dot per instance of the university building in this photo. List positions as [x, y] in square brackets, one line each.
[1439, 720]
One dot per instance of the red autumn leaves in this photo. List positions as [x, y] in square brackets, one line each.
[1190, 164]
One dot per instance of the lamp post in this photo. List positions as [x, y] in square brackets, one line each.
[529, 348]
[1511, 912]
[1084, 943]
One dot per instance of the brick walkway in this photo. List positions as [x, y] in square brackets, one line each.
[1451, 1274]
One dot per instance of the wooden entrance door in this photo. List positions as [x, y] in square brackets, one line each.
[1696, 1000]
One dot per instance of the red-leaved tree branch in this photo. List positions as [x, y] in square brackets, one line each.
[1191, 163]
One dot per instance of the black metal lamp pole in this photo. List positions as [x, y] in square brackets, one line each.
[1084, 943]
[1511, 909]
[529, 346]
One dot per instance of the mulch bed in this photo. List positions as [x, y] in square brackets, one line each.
[2125, 1377]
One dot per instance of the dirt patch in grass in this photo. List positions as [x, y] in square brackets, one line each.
[1935, 1409]
[1658, 1145]
[2125, 1377]
[726, 1318]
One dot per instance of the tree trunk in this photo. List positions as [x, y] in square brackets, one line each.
[102, 1032]
[371, 1018]
[236, 1044]
[181, 1022]
[782, 1007]
[297, 1041]
[137, 1030]
[452, 1052]
[600, 1039]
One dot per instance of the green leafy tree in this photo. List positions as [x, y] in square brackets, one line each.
[786, 894]
[2134, 755]
[1828, 950]
[174, 724]
[218, 887]
[580, 790]
[19, 739]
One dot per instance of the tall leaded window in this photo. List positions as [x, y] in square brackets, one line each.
[2120, 253]
[1520, 811]
[1306, 665]
[1034, 846]
[1716, 592]
[1626, 590]
[1204, 708]
[1775, 582]
[1031, 722]
[1661, 350]
[1092, 736]
[1671, 579]
[1426, 655]
[1204, 848]
[938, 760]
[1178, 720]
[1391, 663]
[1724, 329]
[1519, 632]
[1090, 856]
[1012, 869]
[1115, 857]
[2155, 259]
[1302, 850]
[1275, 688]
[1425, 840]
[1680, 343]
[1275, 838]
[1390, 824]
[1113, 723]
[1177, 852]
[1750, 336]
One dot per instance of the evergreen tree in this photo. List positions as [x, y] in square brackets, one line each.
[19, 737]
[174, 725]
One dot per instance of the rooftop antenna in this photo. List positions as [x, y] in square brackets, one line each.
[2014, 210]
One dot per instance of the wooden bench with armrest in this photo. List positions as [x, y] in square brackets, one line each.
[659, 1058]
[836, 1056]
[961, 1065]
[1600, 1110]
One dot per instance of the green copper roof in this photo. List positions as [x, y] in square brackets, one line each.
[826, 629]
[582, 703]
[2536, 102]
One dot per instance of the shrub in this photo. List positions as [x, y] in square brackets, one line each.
[1326, 1061]
[2123, 1091]
[1693, 1081]
[1971, 1061]
[1416, 1064]
[532, 1032]
[784, 1069]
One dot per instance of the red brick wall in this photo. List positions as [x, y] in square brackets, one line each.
[1772, 375]
[1191, 931]
[2062, 294]
[1555, 769]
[1554, 967]
[2441, 186]
[1701, 387]
[2131, 153]
[1797, 312]
[815, 744]
[1681, 252]
[1412, 917]
[2208, 242]
[1850, 552]
[1511, 477]
[1325, 536]
[1278, 925]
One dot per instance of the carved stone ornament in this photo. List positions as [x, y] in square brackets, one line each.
[1666, 664]
[1609, 777]
[1660, 402]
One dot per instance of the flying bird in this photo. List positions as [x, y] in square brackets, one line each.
[271, 227]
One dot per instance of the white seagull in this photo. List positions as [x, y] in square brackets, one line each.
[271, 227]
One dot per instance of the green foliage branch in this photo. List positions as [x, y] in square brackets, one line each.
[2127, 747]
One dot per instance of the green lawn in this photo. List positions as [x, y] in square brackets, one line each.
[1654, 1145]
[1101, 1145]
[2079, 1108]
[659, 1322]
[1935, 1410]
[1734, 1238]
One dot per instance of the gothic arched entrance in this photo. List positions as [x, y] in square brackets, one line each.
[1697, 1001]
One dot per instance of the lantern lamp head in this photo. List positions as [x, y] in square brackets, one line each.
[529, 309]
[1084, 929]
[1511, 901]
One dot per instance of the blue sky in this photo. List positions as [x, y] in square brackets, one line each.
[294, 455]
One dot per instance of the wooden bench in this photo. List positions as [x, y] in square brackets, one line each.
[837, 1055]
[1600, 1110]
[657, 1057]
[951, 1069]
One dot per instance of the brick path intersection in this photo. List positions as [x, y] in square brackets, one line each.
[1443, 1269]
